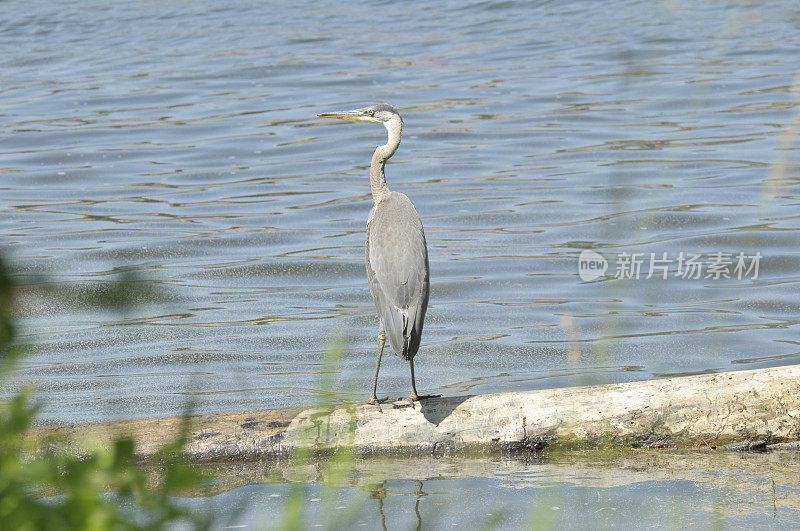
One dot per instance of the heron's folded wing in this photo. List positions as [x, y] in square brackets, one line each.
[397, 269]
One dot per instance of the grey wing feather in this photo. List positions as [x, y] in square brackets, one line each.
[397, 269]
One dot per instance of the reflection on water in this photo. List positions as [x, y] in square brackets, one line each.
[190, 153]
[588, 490]
[379, 493]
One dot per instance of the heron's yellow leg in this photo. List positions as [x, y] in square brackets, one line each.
[414, 396]
[381, 343]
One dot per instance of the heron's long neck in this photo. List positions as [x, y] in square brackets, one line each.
[377, 179]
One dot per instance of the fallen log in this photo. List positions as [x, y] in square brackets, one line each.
[752, 409]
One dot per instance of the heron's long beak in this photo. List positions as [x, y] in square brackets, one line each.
[357, 115]
[344, 115]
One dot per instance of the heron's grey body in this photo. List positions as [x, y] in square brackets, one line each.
[397, 269]
[396, 252]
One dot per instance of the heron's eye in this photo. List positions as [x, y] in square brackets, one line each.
[371, 113]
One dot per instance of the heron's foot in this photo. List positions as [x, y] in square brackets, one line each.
[375, 400]
[416, 398]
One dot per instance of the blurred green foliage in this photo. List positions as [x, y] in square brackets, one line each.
[46, 485]
[332, 469]
[6, 308]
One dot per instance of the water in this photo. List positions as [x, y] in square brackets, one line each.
[179, 141]
[672, 490]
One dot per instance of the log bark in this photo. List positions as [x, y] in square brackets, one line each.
[738, 410]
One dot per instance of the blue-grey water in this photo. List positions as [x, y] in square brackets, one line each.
[178, 140]
[577, 491]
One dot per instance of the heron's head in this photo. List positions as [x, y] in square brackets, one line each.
[380, 113]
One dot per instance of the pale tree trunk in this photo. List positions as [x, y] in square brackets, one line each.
[753, 408]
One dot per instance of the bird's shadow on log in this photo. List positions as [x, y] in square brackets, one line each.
[435, 410]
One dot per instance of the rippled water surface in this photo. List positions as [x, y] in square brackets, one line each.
[579, 491]
[179, 141]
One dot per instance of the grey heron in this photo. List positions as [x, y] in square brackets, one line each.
[396, 252]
